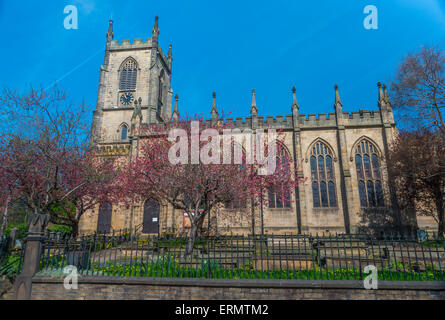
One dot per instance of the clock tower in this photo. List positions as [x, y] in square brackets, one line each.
[135, 81]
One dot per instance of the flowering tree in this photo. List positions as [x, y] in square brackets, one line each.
[8, 189]
[49, 165]
[184, 166]
[65, 184]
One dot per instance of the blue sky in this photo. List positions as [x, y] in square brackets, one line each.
[225, 46]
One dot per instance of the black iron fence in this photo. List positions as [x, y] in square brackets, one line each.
[4, 247]
[249, 257]
[11, 258]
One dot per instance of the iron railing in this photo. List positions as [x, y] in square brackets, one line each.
[124, 231]
[11, 258]
[4, 247]
[331, 257]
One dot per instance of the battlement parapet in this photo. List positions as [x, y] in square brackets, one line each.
[278, 122]
[311, 120]
[113, 149]
[362, 117]
[128, 45]
[240, 122]
[320, 120]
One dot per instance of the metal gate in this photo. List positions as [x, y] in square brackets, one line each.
[151, 216]
[104, 220]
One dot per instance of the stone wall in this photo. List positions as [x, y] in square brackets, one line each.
[108, 288]
[6, 289]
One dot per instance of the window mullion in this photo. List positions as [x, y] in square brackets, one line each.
[362, 164]
[319, 180]
[326, 180]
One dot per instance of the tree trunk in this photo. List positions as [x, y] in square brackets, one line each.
[75, 229]
[195, 227]
[5, 216]
[193, 233]
[252, 209]
[440, 213]
[411, 224]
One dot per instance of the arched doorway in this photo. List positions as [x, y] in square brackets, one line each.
[104, 219]
[151, 216]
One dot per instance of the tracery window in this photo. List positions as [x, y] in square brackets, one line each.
[278, 197]
[128, 75]
[369, 175]
[239, 157]
[322, 176]
[236, 204]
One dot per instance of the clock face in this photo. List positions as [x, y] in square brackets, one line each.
[127, 98]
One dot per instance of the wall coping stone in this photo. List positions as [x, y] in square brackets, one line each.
[251, 283]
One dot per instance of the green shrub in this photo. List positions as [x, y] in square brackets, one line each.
[22, 228]
[10, 267]
[438, 243]
[64, 230]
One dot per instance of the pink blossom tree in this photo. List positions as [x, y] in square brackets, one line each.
[165, 168]
[50, 164]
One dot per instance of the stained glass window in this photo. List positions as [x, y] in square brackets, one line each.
[124, 132]
[322, 174]
[278, 197]
[369, 176]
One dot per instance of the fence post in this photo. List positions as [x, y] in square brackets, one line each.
[33, 244]
[13, 236]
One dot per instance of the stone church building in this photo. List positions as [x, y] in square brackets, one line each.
[341, 155]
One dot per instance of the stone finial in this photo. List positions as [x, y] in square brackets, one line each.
[37, 223]
[156, 26]
[110, 33]
[295, 105]
[386, 97]
[175, 115]
[155, 31]
[381, 96]
[169, 54]
[214, 111]
[253, 108]
[338, 104]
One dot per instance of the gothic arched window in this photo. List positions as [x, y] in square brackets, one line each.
[124, 132]
[322, 175]
[160, 91]
[128, 74]
[369, 175]
[238, 201]
[278, 197]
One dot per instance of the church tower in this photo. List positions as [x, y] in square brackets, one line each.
[135, 83]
